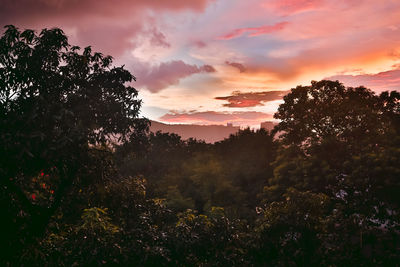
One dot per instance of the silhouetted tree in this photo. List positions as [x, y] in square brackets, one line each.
[56, 103]
[343, 142]
[326, 124]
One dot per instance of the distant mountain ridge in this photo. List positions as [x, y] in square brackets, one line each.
[208, 133]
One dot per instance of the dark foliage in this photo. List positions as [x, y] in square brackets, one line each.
[56, 104]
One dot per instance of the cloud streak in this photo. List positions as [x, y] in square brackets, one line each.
[290, 7]
[254, 31]
[244, 100]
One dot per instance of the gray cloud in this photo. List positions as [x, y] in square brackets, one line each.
[243, 100]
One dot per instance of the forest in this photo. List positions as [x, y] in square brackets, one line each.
[84, 183]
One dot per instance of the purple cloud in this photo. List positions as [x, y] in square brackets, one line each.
[236, 65]
[159, 77]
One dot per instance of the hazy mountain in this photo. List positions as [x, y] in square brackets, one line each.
[268, 125]
[208, 133]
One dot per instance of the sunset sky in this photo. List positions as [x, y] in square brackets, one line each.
[219, 61]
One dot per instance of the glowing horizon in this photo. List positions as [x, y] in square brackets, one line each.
[217, 61]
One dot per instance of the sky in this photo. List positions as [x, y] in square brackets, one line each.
[227, 61]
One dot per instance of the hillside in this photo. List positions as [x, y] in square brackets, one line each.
[208, 133]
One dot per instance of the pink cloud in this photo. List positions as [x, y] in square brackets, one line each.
[213, 117]
[199, 44]
[382, 81]
[108, 39]
[255, 31]
[109, 26]
[33, 10]
[207, 68]
[290, 7]
[161, 76]
[158, 39]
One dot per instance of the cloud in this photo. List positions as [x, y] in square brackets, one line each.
[199, 44]
[290, 7]
[151, 36]
[107, 38]
[158, 39]
[159, 77]
[207, 68]
[243, 100]
[239, 66]
[213, 117]
[111, 27]
[255, 31]
[33, 10]
[382, 81]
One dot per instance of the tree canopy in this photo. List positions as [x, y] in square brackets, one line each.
[56, 103]
[55, 98]
[327, 111]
